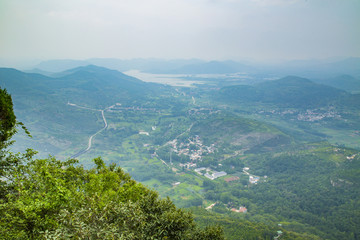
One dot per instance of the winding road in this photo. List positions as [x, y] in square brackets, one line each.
[92, 136]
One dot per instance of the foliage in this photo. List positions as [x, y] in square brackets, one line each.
[236, 229]
[7, 119]
[54, 199]
[316, 191]
[290, 91]
[8, 125]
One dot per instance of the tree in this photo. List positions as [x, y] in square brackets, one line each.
[7, 130]
[7, 119]
[8, 126]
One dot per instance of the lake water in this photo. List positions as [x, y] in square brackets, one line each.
[189, 80]
[168, 79]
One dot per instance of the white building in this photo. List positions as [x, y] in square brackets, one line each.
[198, 170]
[215, 175]
[219, 174]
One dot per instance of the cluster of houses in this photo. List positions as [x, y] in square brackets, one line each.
[188, 165]
[194, 148]
[308, 116]
[119, 108]
[210, 174]
[202, 111]
[311, 115]
[253, 179]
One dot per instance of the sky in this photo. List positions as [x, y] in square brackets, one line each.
[260, 30]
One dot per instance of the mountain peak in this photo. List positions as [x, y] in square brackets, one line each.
[294, 79]
[88, 68]
[94, 71]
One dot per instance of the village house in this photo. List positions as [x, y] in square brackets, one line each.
[253, 180]
[240, 210]
[209, 176]
[219, 174]
[215, 175]
[143, 133]
[187, 165]
[176, 183]
[199, 170]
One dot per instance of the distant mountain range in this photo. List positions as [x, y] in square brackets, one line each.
[316, 69]
[41, 102]
[98, 86]
[212, 67]
[290, 91]
[145, 65]
[93, 85]
[304, 68]
[344, 82]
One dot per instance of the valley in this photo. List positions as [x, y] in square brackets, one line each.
[229, 147]
[180, 120]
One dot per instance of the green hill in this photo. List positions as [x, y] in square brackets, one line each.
[344, 82]
[230, 131]
[238, 228]
[41, 102]
[286, 92]
[90, 85]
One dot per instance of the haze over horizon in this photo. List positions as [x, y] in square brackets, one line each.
[256, 30]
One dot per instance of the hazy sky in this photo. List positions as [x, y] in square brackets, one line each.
[206, 29]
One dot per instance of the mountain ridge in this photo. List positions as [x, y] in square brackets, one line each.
[290, 91]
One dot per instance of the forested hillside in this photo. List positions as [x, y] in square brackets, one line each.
[290, 91]
[52, 199]
[278, 158]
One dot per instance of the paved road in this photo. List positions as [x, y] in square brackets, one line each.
[92, 136]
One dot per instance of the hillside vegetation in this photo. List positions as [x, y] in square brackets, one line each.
[286, 92]
[279, 158]
[52, 199]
